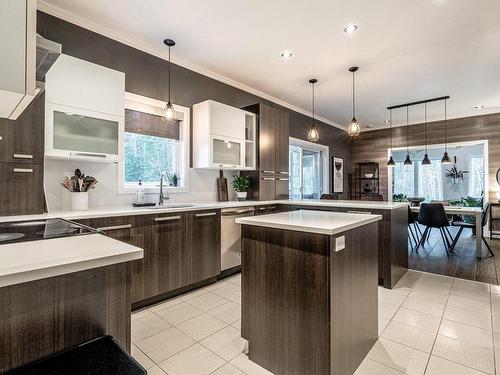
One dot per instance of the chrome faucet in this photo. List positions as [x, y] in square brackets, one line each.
[165, 196]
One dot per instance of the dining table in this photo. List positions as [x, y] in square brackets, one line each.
[468, 211]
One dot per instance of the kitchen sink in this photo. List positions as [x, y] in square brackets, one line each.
[173, 205]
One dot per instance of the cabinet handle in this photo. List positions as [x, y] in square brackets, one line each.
[23, 156]
[167, 218]
[227, 166]
[88, 154]
[272, 172]
[268, 178]
[115, 227]
[282, 179]
[22, 170]
[272, 208]
[206, 214]
[359, 212]
[285, 173]
[1, 138]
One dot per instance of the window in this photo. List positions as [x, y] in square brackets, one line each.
[476, 181]
[152, 146]
[430, 181]
[146, 157]
[308, 169]
[404, 179]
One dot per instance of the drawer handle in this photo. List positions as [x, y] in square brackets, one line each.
[262, 208]
[206, 214]
[87, 154]
[272, 208]
[268, 178]
[167, 218]
[23, 170]
[359, 212]
[115, 227]
[272, 172]
[285, 173]
[23, 156]
[1, 138]
[282, 179]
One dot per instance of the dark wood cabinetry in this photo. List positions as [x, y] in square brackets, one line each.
[21, 162]
[270, 180]
[180, 249]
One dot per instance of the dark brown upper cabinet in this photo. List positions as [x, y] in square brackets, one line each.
[270, 181]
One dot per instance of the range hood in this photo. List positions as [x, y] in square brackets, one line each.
[47, 53]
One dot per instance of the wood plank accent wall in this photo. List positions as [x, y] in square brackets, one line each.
[373, 145]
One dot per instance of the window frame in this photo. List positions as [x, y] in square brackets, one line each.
[155, 107]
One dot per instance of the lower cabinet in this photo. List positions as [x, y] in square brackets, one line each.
[21, 189]
[180, 248]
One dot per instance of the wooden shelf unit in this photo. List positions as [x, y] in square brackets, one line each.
[365, 187]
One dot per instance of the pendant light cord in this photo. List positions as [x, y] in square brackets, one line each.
[313, 105]
[407, 132]
[425, 129]
[353, 96]
[169, 86]
[390, 121]
[445, 135]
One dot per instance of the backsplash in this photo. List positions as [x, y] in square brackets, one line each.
[203, 187]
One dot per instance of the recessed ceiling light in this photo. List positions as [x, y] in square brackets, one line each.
[349, 29]
[286, 55]
[479, 106]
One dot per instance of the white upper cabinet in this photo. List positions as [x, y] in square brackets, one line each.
[18, 50]
[84, 111]
[78, 83]
[223, 137]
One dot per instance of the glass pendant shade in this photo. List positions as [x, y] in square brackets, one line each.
[313, 134]
[426, 160]
[446, 159]
[408, 160]
[169, 111]
[353, 129]
[391, 162]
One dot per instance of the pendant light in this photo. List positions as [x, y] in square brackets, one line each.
[169, 108]
[407, 160]
[353, 129]
[446, 159]
[391, 162]
[425, 160]
[313, 134]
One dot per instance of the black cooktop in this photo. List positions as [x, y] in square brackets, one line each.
[32, 230]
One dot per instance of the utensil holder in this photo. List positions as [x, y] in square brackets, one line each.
[79, 201]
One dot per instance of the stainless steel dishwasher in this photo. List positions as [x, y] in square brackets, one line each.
[231, 236]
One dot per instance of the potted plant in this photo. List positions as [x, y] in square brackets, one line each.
[455, 174]
[240, 185]
[173, 180]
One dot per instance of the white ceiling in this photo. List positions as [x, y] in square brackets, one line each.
[406, 50]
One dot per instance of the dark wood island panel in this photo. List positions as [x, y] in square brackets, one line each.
[307, 309]
[41, 317]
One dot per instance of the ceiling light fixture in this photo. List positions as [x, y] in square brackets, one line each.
[387, 121]
[446, 159]
[353, 128]
[425, 160]
[391, 162]
[351, 28]
[286, 55]
[407, 160]
[169, 108]
[313, 134]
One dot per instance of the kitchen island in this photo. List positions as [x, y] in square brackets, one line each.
[309, 290]
[57, 293]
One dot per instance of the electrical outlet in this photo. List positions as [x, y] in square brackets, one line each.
[340, 243]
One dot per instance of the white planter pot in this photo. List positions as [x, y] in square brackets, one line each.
[79, 201]
[241, 195]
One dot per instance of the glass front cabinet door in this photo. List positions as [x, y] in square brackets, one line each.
[227, 152]
[82, 134]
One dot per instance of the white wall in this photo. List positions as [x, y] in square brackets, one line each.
[203, 186]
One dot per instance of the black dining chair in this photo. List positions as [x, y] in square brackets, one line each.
[462, 224]
[432, 215]
[413, 229]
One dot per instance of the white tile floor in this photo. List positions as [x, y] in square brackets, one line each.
[428, 324]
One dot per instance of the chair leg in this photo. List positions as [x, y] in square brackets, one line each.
[428, 234]
[454, 243]
[488, 246]
[412, 237]
[449, 234]
[417, 231]
[422, 239]
[445, 241]
[418, 228]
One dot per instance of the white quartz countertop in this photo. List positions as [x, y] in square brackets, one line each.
[33, 260]
[128, 210]
[321, 222]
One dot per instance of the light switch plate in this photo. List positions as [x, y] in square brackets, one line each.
[340, 243]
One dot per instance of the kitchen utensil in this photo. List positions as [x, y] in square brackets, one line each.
[222, 193]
